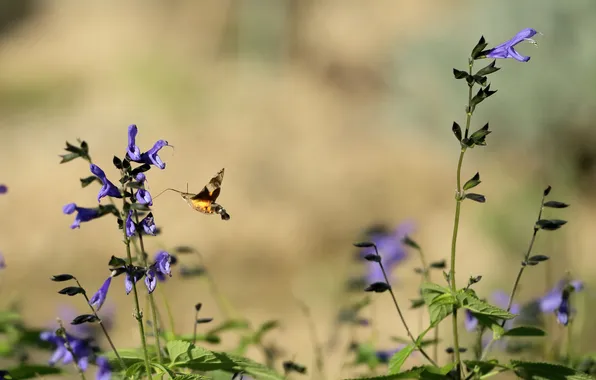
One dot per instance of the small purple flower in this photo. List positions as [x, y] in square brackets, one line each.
[80, 347]
[128, 282]
[108, 188]
[83, 214]
[132, 150]
[470, 321]
[506, 49]
[3, 189]
[151, 157]
[104, 372]
[148, 225]
[391, 249]
[385, 355]
[141, 178]
[100, 296]
[563, 310]
[162, 262]
[151, 279]
[144, 198]
[552, 300]
[130, 226]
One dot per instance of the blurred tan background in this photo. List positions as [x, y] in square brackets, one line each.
[328, 116]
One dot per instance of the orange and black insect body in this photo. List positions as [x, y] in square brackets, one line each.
[204, 201]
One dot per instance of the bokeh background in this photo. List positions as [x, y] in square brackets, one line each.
[328, 116]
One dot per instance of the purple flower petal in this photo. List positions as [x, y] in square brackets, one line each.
[100, 296]
[506, 49]
[132, 150]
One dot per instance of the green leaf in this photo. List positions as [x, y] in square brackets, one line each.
[441, 307]
[231, 324]
[431, 290]
[470, 301]
[399, 358]
[133, 371]
[88, 180]
[492, 323]
[177, 348]
[32, 371]
[525, 331]
[476, 52]
[550, 225]
[555, 204]
[488, 69]
[459, 74]
[192, 376]
[267, 326]
[537, 370]
[68, 157]
[161, 369]
[483, 366]
[130, 356]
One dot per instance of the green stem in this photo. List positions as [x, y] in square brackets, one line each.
[401, 316]
[519, 275]
[137, 312]
[169, 311]
[75, 361]
[143, 256]
[458, 201]
[105, 331]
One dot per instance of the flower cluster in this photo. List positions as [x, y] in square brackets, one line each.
[83, 350]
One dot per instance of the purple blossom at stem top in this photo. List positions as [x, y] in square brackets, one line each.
[132, 150]
[108, 188]
[83, 214]
[80, 347]
[506, 49]
[391, 249]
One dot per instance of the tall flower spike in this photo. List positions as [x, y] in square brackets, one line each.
[506, 49]
[108, 188]
[151, 157]
[132, 150]
[130, 226]
[100, 296]
[83, 214]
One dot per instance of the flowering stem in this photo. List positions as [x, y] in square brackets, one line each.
[102, 326]
[137, 312]
[519, 274]
[458, 201]
[401, 316]
[62, 333]
[143, 257]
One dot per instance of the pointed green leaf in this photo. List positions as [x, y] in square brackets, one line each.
[176, 349]
[399, 358]
[470, 301]
[525, 331]
[537, 370]
[489, 69]
[472, 182]
[555, 204]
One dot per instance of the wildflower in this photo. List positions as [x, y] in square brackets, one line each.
[563, 310]
[385, 355]
[470, 321]
[158, 270]
[391, 249]
[104, 371]
[151, 279]
[144, 198]
[80, 347]
[162, 261]
[552, 300]
[100, 296]
[148, 225]
[3, 189]
[108, 188]
[506, 49]
[151, 157]
[128, 281]
[130, 226]
[132, 150]
[83, 214]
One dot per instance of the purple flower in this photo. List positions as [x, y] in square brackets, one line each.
[130, 226]
[144, 198]
[151, 279]
[552, 300]
[148, 224]
[470, 321]
[151, 157]
[391, 249]
[100, 296]
[162, 262]
[80, 347]
[108, 188]
[83, 214]
[506, 49]
[385, 355]
[128, 282]
[3, 189]
[104, 372]
[132, 150]
[563, 310]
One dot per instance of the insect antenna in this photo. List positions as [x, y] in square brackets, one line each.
[178, 191]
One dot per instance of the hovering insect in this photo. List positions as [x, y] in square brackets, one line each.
[204, 201]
